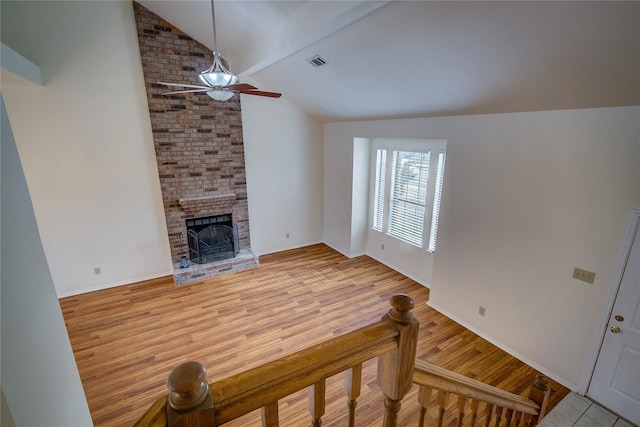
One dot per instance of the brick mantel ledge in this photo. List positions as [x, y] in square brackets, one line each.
[207, 202]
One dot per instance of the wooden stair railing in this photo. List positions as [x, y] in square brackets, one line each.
[193, 403]
[437, 386]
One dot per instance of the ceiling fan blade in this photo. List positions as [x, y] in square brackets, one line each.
[261, 93]
[241, 86]
[184, 85]
[187, 91]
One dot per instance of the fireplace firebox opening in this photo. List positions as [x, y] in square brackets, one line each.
[211, 239]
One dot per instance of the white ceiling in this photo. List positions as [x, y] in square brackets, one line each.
[425, 58]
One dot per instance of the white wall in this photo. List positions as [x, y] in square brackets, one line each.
[39, 375]
[6, 419]
[526, 197]
[283, 157]
[360, 196]
[339, 169]
[85, 142]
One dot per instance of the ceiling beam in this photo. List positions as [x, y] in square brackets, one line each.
[307, 25]
[19, 65]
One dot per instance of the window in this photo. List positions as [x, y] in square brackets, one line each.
[381, 167]
[406, 191]
[436, 203]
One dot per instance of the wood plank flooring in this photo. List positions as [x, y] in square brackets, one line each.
[127, 339]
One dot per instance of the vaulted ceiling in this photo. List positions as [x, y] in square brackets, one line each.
[388, 59]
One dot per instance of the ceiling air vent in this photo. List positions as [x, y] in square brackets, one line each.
[317, 61]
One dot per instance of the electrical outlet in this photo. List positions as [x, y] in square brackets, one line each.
[97, 270]
[286, 235]
[382, 246]
[481, 311]
[584, 275]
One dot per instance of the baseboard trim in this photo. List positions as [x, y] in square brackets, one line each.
[113, 285]
[501, 346]
[399, 270]
[286, 248]
[357, 254]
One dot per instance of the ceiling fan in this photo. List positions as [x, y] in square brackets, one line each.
[221, 84]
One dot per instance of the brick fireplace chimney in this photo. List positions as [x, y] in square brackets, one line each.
[198, 143]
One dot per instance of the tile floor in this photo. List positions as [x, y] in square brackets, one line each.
[578, 411]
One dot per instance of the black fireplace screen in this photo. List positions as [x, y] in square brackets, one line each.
[211, 239]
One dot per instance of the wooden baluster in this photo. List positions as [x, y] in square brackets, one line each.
[488, 412]
[508, 417]
[539, 393]
[527, 418]
[474, 412]
[391, 409]
[462, 403]
[270, 416]
[317, 402]
[353, 386]
[517, 418]
[189, 402]
[443, 401]
[395, 368]
[498, 415]
[424, 394]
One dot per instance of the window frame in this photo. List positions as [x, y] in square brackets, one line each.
[436, 148]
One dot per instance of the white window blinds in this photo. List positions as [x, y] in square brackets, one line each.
[410, 173]
[407, 189]
[381, 171]
[436, 203]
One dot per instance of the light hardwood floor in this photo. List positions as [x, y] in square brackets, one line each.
[127, 339]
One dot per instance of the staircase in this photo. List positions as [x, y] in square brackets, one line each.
[445, 397]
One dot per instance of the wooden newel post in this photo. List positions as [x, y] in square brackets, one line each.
[395, 368]
[189, 403]
[539, 393]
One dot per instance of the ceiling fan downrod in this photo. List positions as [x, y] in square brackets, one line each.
[220, 83]
[217, 76]
[213, 20]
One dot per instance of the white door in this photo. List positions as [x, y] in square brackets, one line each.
[616, 379]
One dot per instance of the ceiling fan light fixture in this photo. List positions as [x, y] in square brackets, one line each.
[217, 75]
[220, 95]
[219, 83]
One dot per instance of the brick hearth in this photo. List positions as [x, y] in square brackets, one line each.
[198, 143]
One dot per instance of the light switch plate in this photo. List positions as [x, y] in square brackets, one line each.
[584, 275]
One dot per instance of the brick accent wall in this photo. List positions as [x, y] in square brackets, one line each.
[198, 141]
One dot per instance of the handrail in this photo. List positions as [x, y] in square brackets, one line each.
[155, 415]
[244, 392]
[429, 377]
[438, 378]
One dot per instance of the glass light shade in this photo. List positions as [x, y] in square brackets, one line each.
[220, 95]
[217, 75]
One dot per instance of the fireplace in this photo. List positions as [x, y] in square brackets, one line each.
[211, 239]
[217, 237]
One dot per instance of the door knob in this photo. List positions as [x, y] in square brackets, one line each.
[615, 329]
